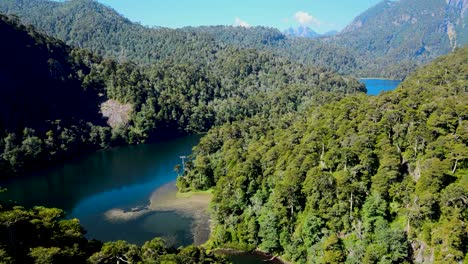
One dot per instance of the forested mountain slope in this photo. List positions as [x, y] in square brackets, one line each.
[405, 33]
[388, 40]
[306, 51]
[88, 24]
[56, 100]
[45, 103]
[363, 179]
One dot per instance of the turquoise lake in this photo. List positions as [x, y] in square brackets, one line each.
[375, 86]
[124, 178]
[89, 187]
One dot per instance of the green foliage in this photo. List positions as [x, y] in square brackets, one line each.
[114, 252]
[88, 24]
[358, 179]
[54, 114]
[40, 235]
[301, 165]
[389, 40]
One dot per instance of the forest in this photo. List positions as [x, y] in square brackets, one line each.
[395, 37]
[65, 117]
[302, 164]
[360, 179]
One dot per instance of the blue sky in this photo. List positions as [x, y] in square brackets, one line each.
[320, 15]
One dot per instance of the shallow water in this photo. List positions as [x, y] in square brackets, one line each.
[118, 179]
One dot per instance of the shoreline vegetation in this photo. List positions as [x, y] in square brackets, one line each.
[348, 176]
[192, 204]
[266, 257]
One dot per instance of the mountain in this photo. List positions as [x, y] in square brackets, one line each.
[330, 33]
[58, 101]
[389, 40]
[301, 50]
[88, 24]
[358, 180]
[301, 32]
[100, 29]
[49, 103]
[306, 32]
[406, 32]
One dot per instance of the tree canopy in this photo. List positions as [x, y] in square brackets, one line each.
[66, 104]
[389, 40]
[361, 179]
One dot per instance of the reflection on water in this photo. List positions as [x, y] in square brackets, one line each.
[176, 229]
[173, 227]
[121, 178]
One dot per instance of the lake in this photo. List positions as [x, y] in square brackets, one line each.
[375, 86]
[112, 192]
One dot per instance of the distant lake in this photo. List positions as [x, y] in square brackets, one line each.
[375, 86]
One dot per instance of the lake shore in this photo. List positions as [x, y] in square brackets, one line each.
[167, 198]
[194, 205]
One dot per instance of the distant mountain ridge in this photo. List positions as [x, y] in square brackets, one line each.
[91, 25]
[407, 31]
[389, 40]
[307, 32]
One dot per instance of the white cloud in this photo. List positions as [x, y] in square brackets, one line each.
[305, 18]
[240, 23]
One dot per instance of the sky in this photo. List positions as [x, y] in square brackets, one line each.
[320, 15]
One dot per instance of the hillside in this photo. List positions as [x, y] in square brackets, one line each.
[404, 33]
[58, 101]
[362, 179]
[45, 104]
[88, 24]
[389, 40]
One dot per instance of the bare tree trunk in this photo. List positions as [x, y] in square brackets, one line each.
[455, 166]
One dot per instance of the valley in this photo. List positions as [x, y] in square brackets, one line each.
[127, 143]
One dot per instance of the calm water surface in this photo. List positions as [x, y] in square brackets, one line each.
[375, 86]
[123, 178]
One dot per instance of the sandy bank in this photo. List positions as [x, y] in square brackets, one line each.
[167, 199]
[119, 215]
[194, 205]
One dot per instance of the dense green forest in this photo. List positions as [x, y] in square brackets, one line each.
[389, 40]
[302, 163]
[363, 179]
[40, 235]
[88, 24]
[73, 101]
